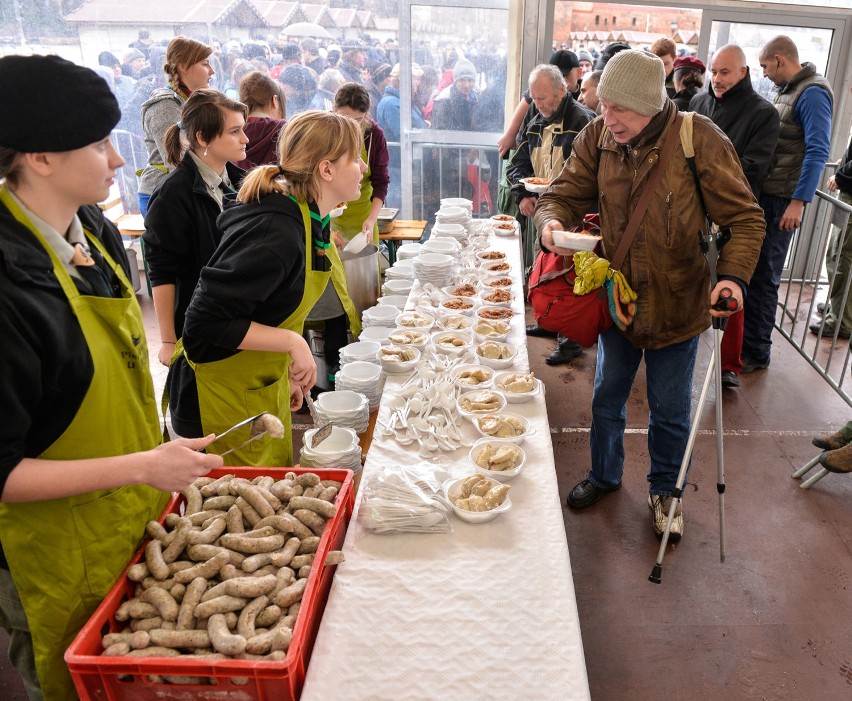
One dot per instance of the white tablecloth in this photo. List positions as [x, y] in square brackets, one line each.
[485, 612]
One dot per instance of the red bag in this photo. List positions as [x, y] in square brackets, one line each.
[555, 306]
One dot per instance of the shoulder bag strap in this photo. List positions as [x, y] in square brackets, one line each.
[672, 136]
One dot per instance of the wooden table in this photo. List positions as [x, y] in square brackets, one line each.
[403, 230]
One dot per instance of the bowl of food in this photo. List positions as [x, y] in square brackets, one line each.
[499, 297]
[497, 458]
[472, 377]
[415, 320]
[480, 403]
[487, 330]
[398, 359]
[517, 387]
[495, 354]
[458, 305]
[490, 256]
[452, 342]
[497, 268]
[477, 498]
[338, 210]
[466, 290]
[503, 218]
[505, 228]
[454, 322]
[536, 185]
[504, 424]
[492, 282]
[492, 313]
[416, 338]
[576, 240]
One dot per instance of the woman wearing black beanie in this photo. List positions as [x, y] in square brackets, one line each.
[81, 466]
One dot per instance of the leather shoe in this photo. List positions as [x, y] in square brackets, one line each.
[730, 379]
[585, 494]
[839, 460]
[826, 330]
[536, 330]
[565, 352]
[750, 365]
[833, 441]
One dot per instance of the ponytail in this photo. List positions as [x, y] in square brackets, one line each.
[173, 146]
[261, 181]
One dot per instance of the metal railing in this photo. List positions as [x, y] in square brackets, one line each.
[807, 281]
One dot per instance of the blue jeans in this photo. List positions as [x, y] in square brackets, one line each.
[669, 384]
[763, 289]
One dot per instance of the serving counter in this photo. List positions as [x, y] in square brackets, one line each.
[484, 612]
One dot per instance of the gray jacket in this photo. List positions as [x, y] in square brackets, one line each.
[159, 112]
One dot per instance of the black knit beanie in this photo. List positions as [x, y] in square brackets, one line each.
[50, 104]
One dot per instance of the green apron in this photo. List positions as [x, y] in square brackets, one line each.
[352, 220]
[250, 382]
[65, 554]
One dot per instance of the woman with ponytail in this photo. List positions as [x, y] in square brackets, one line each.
[243, 346]
[265, 100]
[180, 227]
[188, 68]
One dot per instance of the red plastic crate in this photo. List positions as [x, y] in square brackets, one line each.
[97, 677]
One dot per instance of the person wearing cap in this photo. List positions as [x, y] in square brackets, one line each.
[353, 60]
[587, 62]
[143, 42]
[123, 84]
[608, 52]
[188, 68]
[544, 147]
[567, 62]
[311, 55]
[688, 78]
[609, 166]
[388, 118]
[380, 77]
[752, 125]
[666, 49]
[300, 87]
[134, 62]
[81, 466]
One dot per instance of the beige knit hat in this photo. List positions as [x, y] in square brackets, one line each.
[636, 81]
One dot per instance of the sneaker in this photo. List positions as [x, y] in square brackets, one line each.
[839, 460]
[730, 379]
[750, 365]
[660, 512]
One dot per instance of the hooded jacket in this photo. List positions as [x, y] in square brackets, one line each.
[664, 264]
[749, 121]
[159, 112]
[262, 149]
[546, 143]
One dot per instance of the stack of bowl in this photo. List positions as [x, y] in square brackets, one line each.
[344, 408]
[362, 377]
[340, 450]
[380, 315]
[364, 351]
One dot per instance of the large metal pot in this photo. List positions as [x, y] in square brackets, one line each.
[362, 276]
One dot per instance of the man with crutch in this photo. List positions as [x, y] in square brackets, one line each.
[617, 162]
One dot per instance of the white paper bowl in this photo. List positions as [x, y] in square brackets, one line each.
[470, 414]
[337, 211]
[397, 287]
[361, 350]
[341, 401]
[467, 387]
[466, 337]
[380, 315]
[450, 322]
[575, 241]
[498, 268]
[482, 337]
[505, 228]
[340, 441]
[457, 202]
[459, 291]
[499, 475]
[518, 439]
[496, 363]
[503, 219]
[379, 334]
[491, 313]
[415, 320]
[451, 229]
[485, 301]
[434, 260]
[444, 245]
[452, 489]
[516, 397]
[408, 251]
[361, 373]
[394, 367]
[485, 257]
[499, 281]
[534, 187]
[416, 338]
[459, 305]
[397, 301]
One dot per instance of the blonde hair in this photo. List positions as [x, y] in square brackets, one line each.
[203, 113]
[308, 139]
[186, 52]
[257, 91]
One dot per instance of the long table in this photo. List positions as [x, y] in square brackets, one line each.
[484, 612]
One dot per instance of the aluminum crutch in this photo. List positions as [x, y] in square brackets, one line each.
[711, 244]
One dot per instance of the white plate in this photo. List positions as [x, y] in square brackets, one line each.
[575, 241]
[532, 187]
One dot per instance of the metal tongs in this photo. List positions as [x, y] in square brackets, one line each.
[258, 429]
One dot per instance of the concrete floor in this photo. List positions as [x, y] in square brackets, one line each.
[771, 622]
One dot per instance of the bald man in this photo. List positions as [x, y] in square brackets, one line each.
[804, 102]
[752, 124]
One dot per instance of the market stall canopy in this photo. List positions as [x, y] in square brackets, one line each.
[306, 29]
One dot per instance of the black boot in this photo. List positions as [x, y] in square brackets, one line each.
[536, 330]
[565, 352]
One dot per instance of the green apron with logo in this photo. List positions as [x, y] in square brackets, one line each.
[65, 554]
[250, 382]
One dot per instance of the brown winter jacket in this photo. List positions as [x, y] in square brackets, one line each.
[664, 264]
